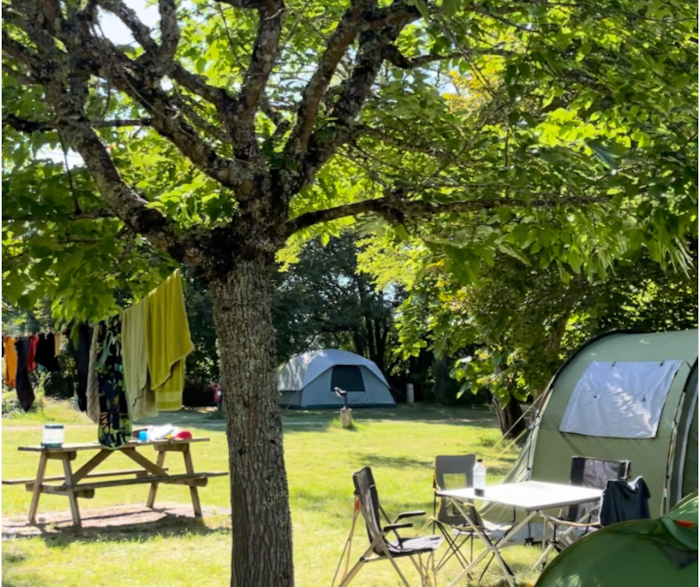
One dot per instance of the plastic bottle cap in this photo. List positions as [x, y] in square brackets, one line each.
[479, 460]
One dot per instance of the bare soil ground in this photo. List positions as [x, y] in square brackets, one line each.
[114, 521]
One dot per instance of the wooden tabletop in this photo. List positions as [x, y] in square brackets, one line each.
[97, 445]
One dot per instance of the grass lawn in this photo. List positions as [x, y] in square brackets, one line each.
[399, 444]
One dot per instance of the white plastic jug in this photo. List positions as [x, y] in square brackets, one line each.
[479, 477]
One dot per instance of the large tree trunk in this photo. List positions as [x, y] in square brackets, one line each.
[509, 417]
[261, 521]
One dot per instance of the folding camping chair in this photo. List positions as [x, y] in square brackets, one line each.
[585, 472]
[367, 502]
[456, 472]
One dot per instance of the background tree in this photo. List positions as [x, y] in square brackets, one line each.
[238, 124]
[513, 327]
[324, 301]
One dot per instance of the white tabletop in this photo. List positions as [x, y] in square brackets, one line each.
[528, 495]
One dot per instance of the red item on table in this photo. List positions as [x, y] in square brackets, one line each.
[33, 342]
[184, 435]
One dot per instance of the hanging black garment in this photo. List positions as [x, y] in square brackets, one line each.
[23, 384]
[624, 501]
[114, 426]
[46, 352]
[81, 355]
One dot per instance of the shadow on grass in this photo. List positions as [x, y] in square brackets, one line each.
[110, 527]
[372, 460]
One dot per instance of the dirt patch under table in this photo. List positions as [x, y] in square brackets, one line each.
[119, 520]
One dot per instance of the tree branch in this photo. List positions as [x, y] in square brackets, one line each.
[338, 44]
[395, 210]
[126, 203]
[261, 64]
[169, 34]
[324, 142]
[82, 215]
[396, 58]
[30, 126]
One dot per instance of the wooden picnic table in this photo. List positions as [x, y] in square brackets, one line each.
[148, 472]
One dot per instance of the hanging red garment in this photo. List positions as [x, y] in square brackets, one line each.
[33, 342]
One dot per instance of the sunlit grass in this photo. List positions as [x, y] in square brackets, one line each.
[399, 444]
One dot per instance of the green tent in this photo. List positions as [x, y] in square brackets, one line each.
[622, 396]
[641, 553]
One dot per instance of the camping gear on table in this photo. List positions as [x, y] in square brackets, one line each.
[165, 431]
[53, 436]
[381, 547]
[640, 553]
[308, 381]
[479, 477]
[665, 453]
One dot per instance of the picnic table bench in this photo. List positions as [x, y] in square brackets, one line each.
[149, 472]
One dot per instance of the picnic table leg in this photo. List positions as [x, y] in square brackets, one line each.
[36, 494]
[154, 486]
[73, 500]
[194, 494]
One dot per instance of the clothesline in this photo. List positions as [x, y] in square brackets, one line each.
[25, 354]
[136, 363]
[130, 366]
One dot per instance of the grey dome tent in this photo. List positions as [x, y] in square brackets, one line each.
[621, 396]
[307, 381]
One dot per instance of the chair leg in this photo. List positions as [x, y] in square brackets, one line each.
[454, 550]
[396, 567]
[354, 571]
[424, 579]
[346, 548]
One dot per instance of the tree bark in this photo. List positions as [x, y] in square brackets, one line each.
[508, 415]
[261, 521]
[442, 369]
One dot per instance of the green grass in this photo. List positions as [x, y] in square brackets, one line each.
[399, 444]
[48, 411]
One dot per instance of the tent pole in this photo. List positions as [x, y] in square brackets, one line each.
[684, 446]
[665, 499]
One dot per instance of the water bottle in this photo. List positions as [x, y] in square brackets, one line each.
[479, 477]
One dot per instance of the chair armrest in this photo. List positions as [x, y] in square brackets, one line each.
[394, 527]
[413, 514]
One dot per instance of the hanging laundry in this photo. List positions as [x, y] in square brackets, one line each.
[114, 427]
[46, 352]
[81, 356]
[92, 393]
[168, 342]
[142, 399]
[23, 384]
[33, 343]
[10, 360]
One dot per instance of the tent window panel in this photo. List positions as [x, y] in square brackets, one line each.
[620, 399]
[348, 378]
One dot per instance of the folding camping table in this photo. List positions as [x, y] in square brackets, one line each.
[148, 473]
[532, 496]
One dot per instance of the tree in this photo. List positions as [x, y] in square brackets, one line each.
[517, 323]
[239, 124]
[323, 300]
